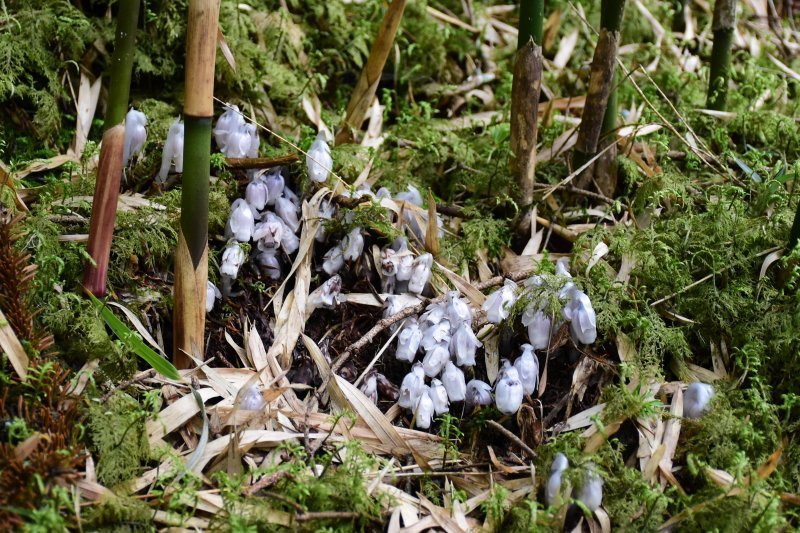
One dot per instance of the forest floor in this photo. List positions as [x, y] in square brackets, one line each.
[683, 256]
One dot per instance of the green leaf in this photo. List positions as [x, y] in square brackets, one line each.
[135, 343]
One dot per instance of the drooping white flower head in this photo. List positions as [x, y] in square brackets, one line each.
[457, 309]
[230, 120]
[370, 387]
[318, 160]
[275, 186]
[453, 381]
[269, 264]
[290, 195]
[562, 267]
[420, 273]
[389, 262]
[353, 245]
[405, 261]
[539, 326]
[212, 293]
[435, 359]
[232, 259]
[498, 305]
[438, 394]
[325, 212]
[333, 260]
[423, 410]
[463, 345]
[241, 222]
[290, 242]
[327, 294]
[268, 232]
[508, 391]
[436, 334]
[288, 213]
[253, 138]
[583, 325]
[238, 142]
[478, 393]
[695, 401]
[135, 135]
[251, 399]
[434, 314]
[412, 387]
[257, 193]
[173, 151]
[591, 492]
[411, 195]
[527, 366]
[408, 341]
[552, 492]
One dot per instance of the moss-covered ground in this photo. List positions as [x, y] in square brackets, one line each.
[697, 283]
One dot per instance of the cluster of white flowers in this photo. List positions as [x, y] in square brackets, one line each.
[268, 215]
[348, 249]
[235, 137]
[402, 272]
[590, 493]
[270, 230]
[577, 309]
[444, 333]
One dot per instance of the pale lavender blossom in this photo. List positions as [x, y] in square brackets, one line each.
[464, 344]
[453, 381]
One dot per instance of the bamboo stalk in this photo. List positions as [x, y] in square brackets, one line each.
[525, 91]
[191, 256]
[109, 169]
[370, 76]
[601, 80]
[723, 26]
[605, 168]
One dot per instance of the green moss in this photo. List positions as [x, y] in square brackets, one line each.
[118, 436]
[120, 514]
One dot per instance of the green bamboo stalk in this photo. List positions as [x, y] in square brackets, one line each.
[531, 22]
[601, 81]
[119, 87]
[719, 71]
[191, 256]
[109, 170]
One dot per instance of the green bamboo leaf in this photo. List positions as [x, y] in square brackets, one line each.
[133, 342]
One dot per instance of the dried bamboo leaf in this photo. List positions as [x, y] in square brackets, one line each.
[177, 414]
[13, 349]
[85, 106]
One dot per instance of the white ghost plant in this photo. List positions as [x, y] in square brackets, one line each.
[498, 305]
[318, 160]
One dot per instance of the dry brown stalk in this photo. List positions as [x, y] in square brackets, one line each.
[525, 91]
[104, 209]
[367, 84]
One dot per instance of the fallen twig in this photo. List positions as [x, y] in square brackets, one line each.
[513, 438]
[261, 162]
